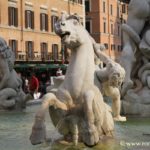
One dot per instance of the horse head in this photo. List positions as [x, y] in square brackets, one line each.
[69, 29]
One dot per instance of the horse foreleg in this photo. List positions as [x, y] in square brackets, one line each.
[90, 136]
[38, 134]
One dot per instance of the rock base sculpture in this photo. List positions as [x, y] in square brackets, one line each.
[78, 104]
[12, 96]
[135, 59]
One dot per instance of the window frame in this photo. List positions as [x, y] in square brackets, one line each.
[30, 44]
[44, 22]
[90, 25]
[87, 6]
[44, 51]
[55, 52]
[54, 19]
[13, 44]
[111, 9]
[29, 19]
[104, 27]
[104, 6]
[12, 16]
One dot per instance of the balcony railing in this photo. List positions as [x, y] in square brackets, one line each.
[37, 57]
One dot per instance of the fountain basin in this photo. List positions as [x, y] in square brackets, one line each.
[15, 129]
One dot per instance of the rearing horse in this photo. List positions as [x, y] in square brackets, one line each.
[78, 103]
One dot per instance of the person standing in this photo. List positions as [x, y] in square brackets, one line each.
[33, 84]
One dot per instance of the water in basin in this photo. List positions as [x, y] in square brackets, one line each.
[15, 129]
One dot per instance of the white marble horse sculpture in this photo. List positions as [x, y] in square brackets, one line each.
[78, 103]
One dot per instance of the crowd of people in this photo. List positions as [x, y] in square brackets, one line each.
[36, 83]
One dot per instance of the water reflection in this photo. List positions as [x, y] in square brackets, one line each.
[15, 130]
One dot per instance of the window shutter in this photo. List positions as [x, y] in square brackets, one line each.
[33, 50]
[16, 49]
[57, 51]
[46, 51]
[52, 51]
[41, 28]
[26, 19]
[26, 45]
[10, 44]
[41, 50]
[46, 22]
[9, 16]
[52, 22]
[32, 20]
[16, 17]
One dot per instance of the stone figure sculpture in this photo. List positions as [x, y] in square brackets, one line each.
[111, 77]
[78, 105]
[135, 59]
[11, 93]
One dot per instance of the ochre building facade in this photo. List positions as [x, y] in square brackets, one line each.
[28, 27]
[103, 21]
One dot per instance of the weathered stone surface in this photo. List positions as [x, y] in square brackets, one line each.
[11, 93]
[135, 59]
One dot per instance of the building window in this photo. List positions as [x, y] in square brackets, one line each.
[65, 53]
[73, 1]
[80, 1]
[13, 16]
[111, 9]
[87, 5]
[44, 51]
[29, 19]
[118, 30]
[88, 26]
[104, 27]
[118, 11]
[113, 47]
[14, 47]
[119, 47]
[106, 45]
[44, 22]
[123, 8]
[55, 52]
[112, 29]
[53, 21]
[29, 49]
[104, 5]
[49, 57]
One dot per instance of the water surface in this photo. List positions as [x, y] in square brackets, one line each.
[15, 129]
